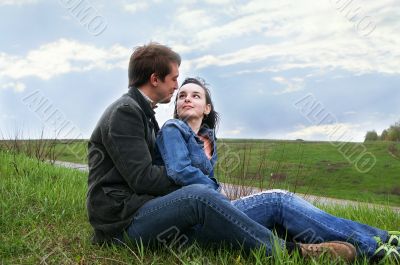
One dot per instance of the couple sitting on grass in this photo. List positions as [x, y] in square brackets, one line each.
[144, 181]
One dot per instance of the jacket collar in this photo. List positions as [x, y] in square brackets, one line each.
[140, 99]
[205, 131]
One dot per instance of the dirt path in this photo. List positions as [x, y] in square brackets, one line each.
[235, 191]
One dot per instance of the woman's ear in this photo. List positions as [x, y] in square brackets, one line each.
[207, 110]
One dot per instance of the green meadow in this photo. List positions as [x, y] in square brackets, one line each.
[43, 220]
[336, 170]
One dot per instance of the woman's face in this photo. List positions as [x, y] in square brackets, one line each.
[191, 102]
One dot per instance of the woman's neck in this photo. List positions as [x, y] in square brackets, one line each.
[194, 124]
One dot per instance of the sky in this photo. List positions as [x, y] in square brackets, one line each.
[314, 70]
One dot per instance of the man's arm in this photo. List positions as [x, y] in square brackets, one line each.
[126, 144]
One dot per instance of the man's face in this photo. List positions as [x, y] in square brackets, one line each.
[165, 89]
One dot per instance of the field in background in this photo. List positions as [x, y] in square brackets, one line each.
[317, 168]
[43, 220]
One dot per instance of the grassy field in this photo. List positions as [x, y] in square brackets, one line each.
[318, 168]
[43, 220]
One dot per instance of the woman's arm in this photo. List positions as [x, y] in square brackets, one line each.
[176, 157]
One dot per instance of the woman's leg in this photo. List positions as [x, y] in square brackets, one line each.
[306, 223]
[197, 212]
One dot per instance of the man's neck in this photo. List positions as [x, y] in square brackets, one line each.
[145, 91]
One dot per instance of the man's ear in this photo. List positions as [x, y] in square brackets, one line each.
[207, 110]
[154, 80]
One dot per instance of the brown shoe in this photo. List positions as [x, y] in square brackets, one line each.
[335, 249]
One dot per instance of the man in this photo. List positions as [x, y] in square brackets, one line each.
[128, 195]
[121, 175]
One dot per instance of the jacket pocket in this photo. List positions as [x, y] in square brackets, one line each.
[116, 193]
[199, 162]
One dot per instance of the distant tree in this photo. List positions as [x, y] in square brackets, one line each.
[394, 133]
[371, 136]
[384, 135]
[390, 134]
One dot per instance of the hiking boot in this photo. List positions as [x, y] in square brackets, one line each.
[334, 249]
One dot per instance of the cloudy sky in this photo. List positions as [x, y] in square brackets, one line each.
[277, 69]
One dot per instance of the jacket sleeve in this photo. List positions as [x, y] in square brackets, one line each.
[128, 149]
[176, 157]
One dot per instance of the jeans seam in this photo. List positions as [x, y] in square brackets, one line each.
[276, 200]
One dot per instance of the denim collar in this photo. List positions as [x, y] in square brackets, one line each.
[207, 132]
[204, 131]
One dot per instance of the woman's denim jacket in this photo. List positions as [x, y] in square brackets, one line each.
[181, 151]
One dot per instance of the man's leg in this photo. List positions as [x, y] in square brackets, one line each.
[166, 219]
[306, 223]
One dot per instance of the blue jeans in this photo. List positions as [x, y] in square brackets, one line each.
[197, 212]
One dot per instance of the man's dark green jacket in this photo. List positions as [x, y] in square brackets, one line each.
[121, 174]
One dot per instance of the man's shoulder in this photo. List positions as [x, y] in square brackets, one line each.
[128, 101]
[125, 102]
[121, 106]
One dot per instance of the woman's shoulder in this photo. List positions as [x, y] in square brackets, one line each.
[176, 124]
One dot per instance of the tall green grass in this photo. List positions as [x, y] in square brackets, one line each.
[43, 220]
[317, 168]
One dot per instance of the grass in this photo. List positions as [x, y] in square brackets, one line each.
[43, 220]
[317, 168]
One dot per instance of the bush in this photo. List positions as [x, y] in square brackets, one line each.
[371, 136]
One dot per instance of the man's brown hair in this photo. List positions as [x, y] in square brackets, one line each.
[149, 59]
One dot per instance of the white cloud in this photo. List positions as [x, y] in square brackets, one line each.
[17, 2]
[291, 85]
[220, 2]
[61, 57]
[16, 86]
[346, 132]
[136, 7]
[165, 112]
[292, 35]
[193, 19]
[232, 132]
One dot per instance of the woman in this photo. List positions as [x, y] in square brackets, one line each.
[186, 145]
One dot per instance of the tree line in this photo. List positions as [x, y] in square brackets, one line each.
[390, 134]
